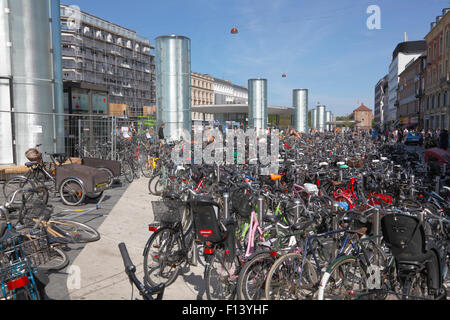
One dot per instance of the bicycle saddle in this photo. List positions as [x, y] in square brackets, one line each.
[275, 177]
[31, 164]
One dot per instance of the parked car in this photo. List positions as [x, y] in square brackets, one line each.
[414, 138]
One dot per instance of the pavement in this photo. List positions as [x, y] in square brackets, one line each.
[97, 271]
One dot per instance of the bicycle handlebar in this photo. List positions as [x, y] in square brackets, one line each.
[130, 269]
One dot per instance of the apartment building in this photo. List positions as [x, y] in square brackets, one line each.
[106, 67]
[410, 93]
[202, 93]
[437, 80]
[402, 55]
[381, 102]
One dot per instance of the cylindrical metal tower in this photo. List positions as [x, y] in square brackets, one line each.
[300, 104]
[30, 51]
[328, 118]
[314, 119]
[320, 118]
[173, 85]
[257, 99]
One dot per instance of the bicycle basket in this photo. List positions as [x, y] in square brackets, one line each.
[241, 203]
[168, 211]
[14, 250]
[355, 163]
[33, 155]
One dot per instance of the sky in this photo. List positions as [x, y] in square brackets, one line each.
[321, 45]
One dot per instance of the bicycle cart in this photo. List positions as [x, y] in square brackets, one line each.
[73, 182]
[111, 167]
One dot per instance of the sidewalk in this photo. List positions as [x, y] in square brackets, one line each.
[101, 266]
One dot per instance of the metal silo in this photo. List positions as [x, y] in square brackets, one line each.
[328, 118]
[300, 105]
[30, 60]
[314, 119]
[320, 118]
[173, 84]
[257, 100]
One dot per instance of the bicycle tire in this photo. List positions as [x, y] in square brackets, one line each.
[72, 192]
[58, 260]
[152, 182]
[332, 285]
[127, 171]
[74, 231]
[252, 279]
[282, 279]
[147, 168]
[156, 273]
[221, 285]
[17, 183]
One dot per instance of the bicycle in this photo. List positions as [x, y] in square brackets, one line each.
[145, 291]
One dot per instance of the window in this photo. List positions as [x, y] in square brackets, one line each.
[440, 45]
[446, 40]
[434, 50]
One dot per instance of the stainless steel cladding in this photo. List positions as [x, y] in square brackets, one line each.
[30, 28]
[257, 100]
[6, 146]
[320, 118]
[314, 119]
[328, 120]
[300, 105]
[173, 84]
[58, 96]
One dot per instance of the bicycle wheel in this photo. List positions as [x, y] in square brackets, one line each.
[55, 260]
[252, 279]
[345, 279]
[75, 232]
[283, 280]
[221, 276]
[127, 171]
[163, 256]
[147, 168]
[15, 184]
[152, 184]
[72, 192]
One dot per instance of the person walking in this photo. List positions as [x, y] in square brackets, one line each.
[161, 134]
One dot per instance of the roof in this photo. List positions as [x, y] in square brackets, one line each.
[410, 47]
[363, 108]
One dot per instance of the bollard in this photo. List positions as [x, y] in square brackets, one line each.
[376, 230]
[226, 210]
[438, 182]
[194, 259]
[341, 175]
[297, 208]
[260, 210]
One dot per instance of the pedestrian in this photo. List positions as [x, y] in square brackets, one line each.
[443, 139]
[161, 133]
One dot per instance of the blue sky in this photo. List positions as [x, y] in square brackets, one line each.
[322, 45]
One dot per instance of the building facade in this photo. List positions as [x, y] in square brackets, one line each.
[225, 92]
[437, 80]
[411, 84]
[381, 102]
[105, 66]
[402, 55]
[363, 117]
[202, 93]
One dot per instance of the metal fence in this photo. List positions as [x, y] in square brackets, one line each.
[76, 135]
